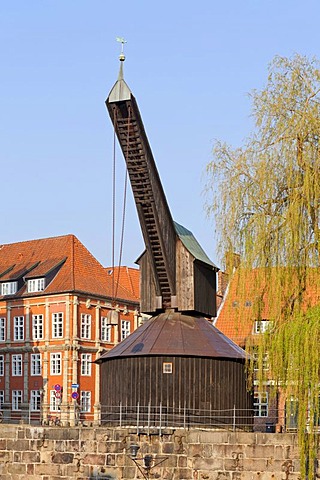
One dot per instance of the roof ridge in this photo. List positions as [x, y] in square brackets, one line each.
[38, 239]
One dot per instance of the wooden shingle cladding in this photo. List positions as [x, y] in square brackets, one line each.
[211, 387]
[195, 284]
[207, 369]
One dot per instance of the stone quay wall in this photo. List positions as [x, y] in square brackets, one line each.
[52, 453]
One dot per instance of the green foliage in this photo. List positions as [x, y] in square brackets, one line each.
[266, 199]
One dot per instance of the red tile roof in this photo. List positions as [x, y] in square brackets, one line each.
[238, 309]
[128, 278]
[80, 272]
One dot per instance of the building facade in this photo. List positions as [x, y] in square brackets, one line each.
[59, 310]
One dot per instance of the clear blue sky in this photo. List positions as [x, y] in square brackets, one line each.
[189, 64]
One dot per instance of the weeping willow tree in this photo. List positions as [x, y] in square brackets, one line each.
[266, 199]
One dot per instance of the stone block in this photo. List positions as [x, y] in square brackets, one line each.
[30, 469]
[214, 437]
[208, 464]
[182, 461]
[30, 457]
[6, 456]
[62, 458]
[167, 448]
[242, 438]
[92, 459]
[194, 450]
[259, 451]
[17, 469]
[185, 474]
[18, 445]
[50, 469]
[8, 431]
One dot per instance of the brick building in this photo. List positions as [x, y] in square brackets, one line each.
[237, 318]
[59, 310]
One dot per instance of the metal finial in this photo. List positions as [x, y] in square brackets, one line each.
[122, 41]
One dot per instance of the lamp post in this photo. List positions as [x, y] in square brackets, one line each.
[146, 463]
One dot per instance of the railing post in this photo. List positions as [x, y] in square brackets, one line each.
[160, 419]
[120, 414]
[138, 418]
[149, 413]
[184, 416]
[234, 418]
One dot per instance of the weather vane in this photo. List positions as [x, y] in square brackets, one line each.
[122, 41]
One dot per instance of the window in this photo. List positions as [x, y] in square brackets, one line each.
[54, 401]
[16, 365]
[9, 288]
[55, 363]
[57, 325]
[85, 325]
[85, 401]
[86, 364]
[167, 367]
[35, 285]
[261, 326]
[105, 330]
[18, 323]
[35, 364]
[125, 329]
[260, 404]
[16, 399]
[37, 327]
[264, 358]
[1, 365]
[35, 400]
[1, 399]
[2, 329]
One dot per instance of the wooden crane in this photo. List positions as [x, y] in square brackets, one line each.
[175, 271]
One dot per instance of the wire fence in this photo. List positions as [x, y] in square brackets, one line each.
[149, 417]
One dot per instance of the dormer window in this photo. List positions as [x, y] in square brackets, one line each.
[36, 285]
[9, 288]
[262, 326]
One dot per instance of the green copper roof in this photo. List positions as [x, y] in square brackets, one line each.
[191, 244]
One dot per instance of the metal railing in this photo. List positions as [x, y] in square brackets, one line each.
[160, 417]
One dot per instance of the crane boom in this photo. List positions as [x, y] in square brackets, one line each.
[175, 271]
[153, 211]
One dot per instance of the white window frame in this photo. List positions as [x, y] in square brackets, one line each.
[16, 400]
[55, 402]
[265, 361]
[125, 329]
[3, 322]
[1, 399]
[36, 285]
[167, 367]
[57, 325]
[37, 327]
[35, 365]
[86, 326]
[55, 363]
[18, 326]
[1, 365]
[86, 364]
[261, 326]
[16, 360]
[105, 330]
[260, 404]
[35, 400]
[85, 401]
[9, 288]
